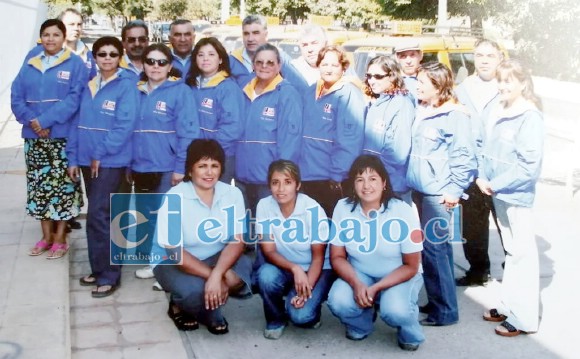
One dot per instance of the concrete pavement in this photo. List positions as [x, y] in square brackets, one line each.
[44, 313]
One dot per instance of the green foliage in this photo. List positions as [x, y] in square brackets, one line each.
[172, 9]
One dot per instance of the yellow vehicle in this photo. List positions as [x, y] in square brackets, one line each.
[292, 48]
[453, 51]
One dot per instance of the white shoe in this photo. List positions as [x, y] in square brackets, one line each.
[157, 287]
[144, 273]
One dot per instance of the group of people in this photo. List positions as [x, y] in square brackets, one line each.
[287, 139]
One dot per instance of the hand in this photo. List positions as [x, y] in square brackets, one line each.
[129, 176]
[484, 186]
[176, 178]
[95, 164]
[336, 186]
[216, 292]
[449, 201]
[297, 302]
[362, 296]
[301, 283]
[44, 133]
[74, 173]
[35, 125]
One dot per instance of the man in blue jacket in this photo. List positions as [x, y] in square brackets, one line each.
[181, 37]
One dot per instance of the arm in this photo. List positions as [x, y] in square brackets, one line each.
[229, 122]
[18, 103]
[290, 124]
[187, 125]
[462, 162]
[397, 140]
[346, 272]
[349, 132]
[406, 271]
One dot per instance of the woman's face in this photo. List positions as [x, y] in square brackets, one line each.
[157, 71]
[426, 91]
[379, 81]
[510, 89]
[205, 173]
[284, 188]
[52, 40]
[266, 65]
[330, 68]
[368, 187]
[208, 60]
[107, 58]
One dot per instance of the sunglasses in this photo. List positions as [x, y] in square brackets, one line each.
[112, 55]
[140, 39]
[375, 76]
[260, 63]
[161, 62]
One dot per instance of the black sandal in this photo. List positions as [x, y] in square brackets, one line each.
[182, 320]
[218, 329]
[493, 316]
[88, 281]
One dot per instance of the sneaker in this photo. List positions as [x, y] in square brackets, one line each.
[275, 333]
[472, 281]
[157, 287]
[144, 273]
[408, 347]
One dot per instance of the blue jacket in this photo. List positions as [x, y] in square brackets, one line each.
[388, 126]
[466, 92]
[184, 69]
[442, 159]
[220, 107]
[52, 96]
[85, 54]
[512, 155]
[333, 131]
[272, 130]
[166, 125]
[104, 123]
[242, 76]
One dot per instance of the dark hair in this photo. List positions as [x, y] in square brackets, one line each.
[514, 68]
[359, 166]
[268, 47]
[441, 78]
[70, 10]
[53, 22]
[165, 51]
[392, 68]
[194, 70]
[107, 40]
[200, 149]
[284, 166]
[342, 59]
[133, 24]
[181, 22]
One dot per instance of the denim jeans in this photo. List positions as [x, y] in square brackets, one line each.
[276, 283]
[98, 191]
[397, 307]
[187, 291]
[437, 256]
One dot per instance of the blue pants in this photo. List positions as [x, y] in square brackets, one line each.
[275, 283]
[437, 256]
[187, 291]
[397, 307]
[99, 222]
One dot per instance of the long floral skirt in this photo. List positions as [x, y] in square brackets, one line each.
[52, 195]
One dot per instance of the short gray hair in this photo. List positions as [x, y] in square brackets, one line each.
[315, 30]
[255, 19]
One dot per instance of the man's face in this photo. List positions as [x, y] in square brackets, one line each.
[310, 46]
[135, 42]
[254, 35]
[486, 59]
[409, 61]
[182, 38]
[74, 26]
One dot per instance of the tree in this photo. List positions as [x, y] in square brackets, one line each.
[172, 9]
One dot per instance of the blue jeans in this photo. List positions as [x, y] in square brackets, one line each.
[229, 171]
[397, 307]
[99, 222]
[187, 291]
[438, 270]
[275, 283]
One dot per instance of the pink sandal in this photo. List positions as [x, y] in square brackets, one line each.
[39, 248]
[58, 250]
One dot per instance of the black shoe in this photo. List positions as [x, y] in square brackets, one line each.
[425, 309]
[408, 347]
[74, 224]
[430, 323]
[472, 281]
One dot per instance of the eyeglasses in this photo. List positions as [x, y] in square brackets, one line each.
[376, 76]
[112, 55]
[140, 39]
[161, 62]
[260, 63]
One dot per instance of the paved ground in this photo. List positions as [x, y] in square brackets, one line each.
[44, 313]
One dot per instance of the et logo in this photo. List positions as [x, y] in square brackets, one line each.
[146, 229]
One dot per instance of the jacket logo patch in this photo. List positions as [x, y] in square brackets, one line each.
[161, 106]
[269, 111]
[207, 102]
[109, 105]
[327, 108]
[65, 75]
